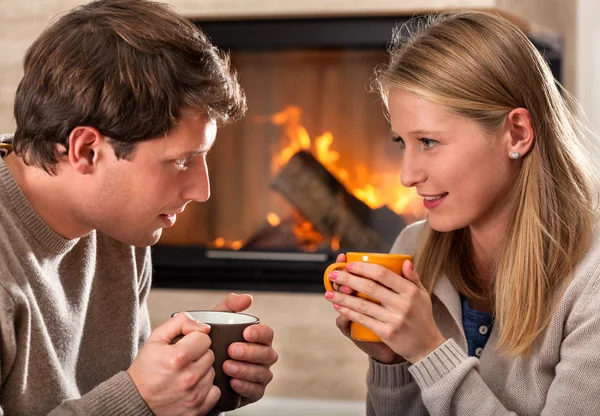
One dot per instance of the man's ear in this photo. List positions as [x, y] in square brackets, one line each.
[85, 144]
[520, 131]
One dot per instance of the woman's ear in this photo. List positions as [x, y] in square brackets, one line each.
[84, 145]
[519, 128]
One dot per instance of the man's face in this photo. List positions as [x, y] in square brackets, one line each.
[133, 200]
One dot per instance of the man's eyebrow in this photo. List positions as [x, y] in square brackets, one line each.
[192, 153]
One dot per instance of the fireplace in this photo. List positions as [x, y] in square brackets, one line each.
[310, 172]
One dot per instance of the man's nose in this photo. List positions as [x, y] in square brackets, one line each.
[199, 187]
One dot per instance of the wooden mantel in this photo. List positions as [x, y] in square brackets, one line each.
[255, 9]
[306, 8]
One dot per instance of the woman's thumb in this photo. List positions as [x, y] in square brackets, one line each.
[409, 273]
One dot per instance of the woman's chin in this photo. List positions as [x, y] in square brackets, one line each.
[444, 224]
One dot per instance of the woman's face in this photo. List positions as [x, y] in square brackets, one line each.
[462, 173]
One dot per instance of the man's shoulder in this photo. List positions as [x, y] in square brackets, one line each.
[9, 225]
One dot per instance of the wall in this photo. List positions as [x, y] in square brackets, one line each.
[22, 21]
[588, 66]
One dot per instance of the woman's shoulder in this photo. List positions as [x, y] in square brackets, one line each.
[584, 288]
[590, 263]
[409, 238]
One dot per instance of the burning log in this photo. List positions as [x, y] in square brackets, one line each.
[273, 236]
[332, 210]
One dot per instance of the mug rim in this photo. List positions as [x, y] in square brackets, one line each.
[361, 253]
[253, 319]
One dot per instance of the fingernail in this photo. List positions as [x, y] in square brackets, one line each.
[410, 263]
[349, 266]
[236, 383]
[332, 275]
[201, 324]
[253, 335]
[346, 289]
[329, 295]
[237, 352]
[232, 369]
[336, 306]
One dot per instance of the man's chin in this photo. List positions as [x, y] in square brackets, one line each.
[142, 239]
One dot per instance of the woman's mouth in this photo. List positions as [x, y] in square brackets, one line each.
[433, 201]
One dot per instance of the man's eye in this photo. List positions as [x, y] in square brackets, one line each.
[181, 164]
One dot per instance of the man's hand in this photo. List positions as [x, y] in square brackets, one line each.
[177, 379]
[250, 367]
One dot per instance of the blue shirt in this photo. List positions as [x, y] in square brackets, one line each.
[478, 327]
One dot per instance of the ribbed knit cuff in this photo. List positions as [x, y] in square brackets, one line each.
[116, 396]
[388, 375]
[437, 364]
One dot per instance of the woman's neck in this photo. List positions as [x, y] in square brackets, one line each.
[486, 241]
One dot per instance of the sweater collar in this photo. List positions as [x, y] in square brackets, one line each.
[29, 218]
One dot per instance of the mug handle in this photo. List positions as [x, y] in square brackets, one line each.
[334, 266]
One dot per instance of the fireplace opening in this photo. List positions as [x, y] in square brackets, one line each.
[310, 172]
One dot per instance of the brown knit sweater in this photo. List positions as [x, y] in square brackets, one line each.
[559, 378]
[73, 315]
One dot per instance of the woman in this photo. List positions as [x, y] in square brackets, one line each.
[501, 312]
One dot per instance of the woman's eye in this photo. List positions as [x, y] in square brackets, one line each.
[428, 143]
[400, 141]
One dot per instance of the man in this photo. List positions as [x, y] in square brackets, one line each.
[118, 106]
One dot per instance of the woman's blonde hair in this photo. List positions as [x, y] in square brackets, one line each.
[481, 66]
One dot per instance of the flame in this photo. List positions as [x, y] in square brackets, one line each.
[297, 135]
[224, 244]
[273, 219]
[375, 190]
[335, 243]
[307, 235]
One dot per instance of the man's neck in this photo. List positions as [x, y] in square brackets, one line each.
[50, 201]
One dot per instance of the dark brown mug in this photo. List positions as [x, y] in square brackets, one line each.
[225, 329]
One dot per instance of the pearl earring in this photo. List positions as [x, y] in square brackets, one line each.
[515, 155]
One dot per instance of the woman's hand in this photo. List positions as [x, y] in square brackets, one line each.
[376, 350]
[404, 320]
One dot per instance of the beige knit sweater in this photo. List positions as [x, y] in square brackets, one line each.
[72, 316]
[561, 377]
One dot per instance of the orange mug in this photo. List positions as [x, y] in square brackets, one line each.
[392, 262]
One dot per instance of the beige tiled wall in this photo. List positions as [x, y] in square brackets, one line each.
[22, 20]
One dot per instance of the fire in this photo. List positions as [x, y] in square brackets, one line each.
[307, 235]
[222, 243]
[273, 219]
[375, 190]
[289, 118]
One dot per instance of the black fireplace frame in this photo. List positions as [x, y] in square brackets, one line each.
[202, 268]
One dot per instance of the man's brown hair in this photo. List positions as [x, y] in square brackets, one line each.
[127, 68]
